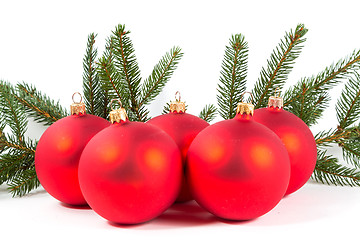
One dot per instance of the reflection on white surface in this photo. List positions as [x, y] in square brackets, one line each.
[313, 207]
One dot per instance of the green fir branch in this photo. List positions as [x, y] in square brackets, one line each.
[111, 85]
[348, 106]
[351, 152]
[24, 183]
[126, 65]
[160, 75]
[10, 164]
[326, 137]
[17, 165]
[16, 153]
[312, 93]
[232, 76]
[38, 105]
[166, 108]
[309, 107]
[91, 83]
[119, 76]
[12, 112]
[208, 113]
[15, 160]
[10, 142]
[329, 171]
[279, 65]
[348, 112]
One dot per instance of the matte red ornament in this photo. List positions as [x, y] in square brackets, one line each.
[58, 152]
[130, 172]
[297, 138]
[238, 169]
[182, 128]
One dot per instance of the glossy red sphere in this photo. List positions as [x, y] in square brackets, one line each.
[130, 172]
[182, 128]
[298, 140]
[238, 169]
[58, 153]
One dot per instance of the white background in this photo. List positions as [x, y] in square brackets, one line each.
[43, 43]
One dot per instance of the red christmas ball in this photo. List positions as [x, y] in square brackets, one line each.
[58, 152]
[182, 128]
[238, 169]
[298, 140]
[130, 172]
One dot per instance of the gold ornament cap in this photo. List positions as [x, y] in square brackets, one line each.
[77, 108]
[118, 115]
[177, 106]
[276, 101]
[245, 108]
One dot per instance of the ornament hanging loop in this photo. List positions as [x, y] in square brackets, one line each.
[113, 100]
[246, 108]
[252, 98]
[117, 115]
[73, 97]
[77, 108]
[178, 95]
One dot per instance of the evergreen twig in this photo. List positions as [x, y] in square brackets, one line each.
[309, 97]
[328, 170]
[16, 152]
[160, 75]
[12, 112]
[128, 69]
[232, 76]
[208, 113]
[120, 78]
[38, 105]
[324, 138]
[348, 106]
[24, 183]
[348, 112]
[91, 83]
[279, 65]
[166, 108]
[111, 85]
